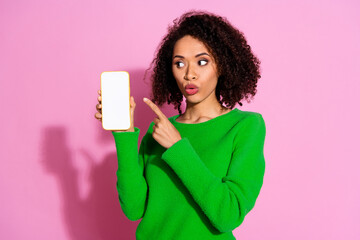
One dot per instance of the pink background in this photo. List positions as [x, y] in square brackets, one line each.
[57, 173]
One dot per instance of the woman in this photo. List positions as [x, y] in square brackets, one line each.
[198, 173]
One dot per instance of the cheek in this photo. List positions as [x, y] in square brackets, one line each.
[176, 73]
[212, 80]
[213, 84]
[178, 82]
[208, 86]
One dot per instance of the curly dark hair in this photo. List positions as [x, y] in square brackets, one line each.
[239, 68]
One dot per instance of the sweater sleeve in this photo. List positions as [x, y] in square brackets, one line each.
[225, 201]
[131, 184]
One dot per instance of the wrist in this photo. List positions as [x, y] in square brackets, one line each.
[128, 130]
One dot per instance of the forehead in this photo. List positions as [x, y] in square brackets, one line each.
[189, 46]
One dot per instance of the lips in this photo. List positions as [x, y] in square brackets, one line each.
[190, 86]
[191, 89]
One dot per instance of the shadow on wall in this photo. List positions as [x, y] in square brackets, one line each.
[99, 216]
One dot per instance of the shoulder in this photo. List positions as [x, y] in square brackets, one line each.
[247, 121]
[248, 116]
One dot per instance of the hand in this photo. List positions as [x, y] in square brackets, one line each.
[164, 131]
[98, 115]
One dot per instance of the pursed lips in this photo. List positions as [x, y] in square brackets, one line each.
[191, 89]
[191, 86]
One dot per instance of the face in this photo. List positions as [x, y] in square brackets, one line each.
[195, 70]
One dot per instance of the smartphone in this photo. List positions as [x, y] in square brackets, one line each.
[115, 100]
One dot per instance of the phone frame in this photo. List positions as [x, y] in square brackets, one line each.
[101, 87]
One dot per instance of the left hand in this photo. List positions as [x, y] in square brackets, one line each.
[164, 131]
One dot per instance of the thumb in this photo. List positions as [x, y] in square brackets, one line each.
[132, 110]
[132, 103]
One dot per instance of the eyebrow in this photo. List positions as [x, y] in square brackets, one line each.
[198, 55]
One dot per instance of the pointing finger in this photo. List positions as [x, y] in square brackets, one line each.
[155, 108]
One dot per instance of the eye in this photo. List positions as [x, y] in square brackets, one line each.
[178, 64]
[204, 61]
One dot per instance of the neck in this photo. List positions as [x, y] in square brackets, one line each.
[208, 109]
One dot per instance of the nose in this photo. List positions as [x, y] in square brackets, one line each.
[190, 74]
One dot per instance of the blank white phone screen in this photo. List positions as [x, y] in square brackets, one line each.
[115, 95]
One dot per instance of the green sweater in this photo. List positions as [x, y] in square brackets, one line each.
[202, 186]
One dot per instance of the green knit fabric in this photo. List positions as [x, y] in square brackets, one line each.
[201, 187]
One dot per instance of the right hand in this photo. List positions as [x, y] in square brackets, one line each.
[132, 110]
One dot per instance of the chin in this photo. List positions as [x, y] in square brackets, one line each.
[193, 99]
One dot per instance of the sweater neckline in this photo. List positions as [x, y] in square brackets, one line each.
[206, 122]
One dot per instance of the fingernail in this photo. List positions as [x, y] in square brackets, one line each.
[145, 99]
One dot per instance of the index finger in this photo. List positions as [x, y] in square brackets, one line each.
[155, 108]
